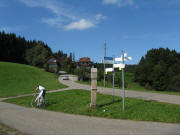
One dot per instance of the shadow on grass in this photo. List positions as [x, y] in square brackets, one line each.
[107, 104]
[49, 103]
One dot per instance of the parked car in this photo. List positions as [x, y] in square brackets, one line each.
[65, 77]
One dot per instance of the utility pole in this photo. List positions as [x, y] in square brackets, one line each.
[104, 65]
[113, 79]
[123, 82]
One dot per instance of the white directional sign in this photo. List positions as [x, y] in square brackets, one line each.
[109, 69]
[125, 54]
[118, 59]
[119, 65]
[125, 58]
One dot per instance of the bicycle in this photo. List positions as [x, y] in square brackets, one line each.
[34, 103]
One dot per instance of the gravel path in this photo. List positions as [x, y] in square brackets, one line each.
[173, 99]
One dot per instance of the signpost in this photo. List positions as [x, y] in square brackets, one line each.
[113, 80]
[122, 59]
[104, 65]
[110, 60]
[121, 66]
[107, 60]
[123, 82]
[108, 69]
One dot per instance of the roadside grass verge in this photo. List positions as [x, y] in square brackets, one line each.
[129, 77]
[78, 102]
[17, 79]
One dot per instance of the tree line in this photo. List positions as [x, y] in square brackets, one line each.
[19, 50]
[159, 69]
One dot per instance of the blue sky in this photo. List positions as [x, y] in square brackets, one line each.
[83, 26]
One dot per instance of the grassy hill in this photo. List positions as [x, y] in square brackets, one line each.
[17, 79]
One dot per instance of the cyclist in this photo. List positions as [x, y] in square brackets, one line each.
[41, 94]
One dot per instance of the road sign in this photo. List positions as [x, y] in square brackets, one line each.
[119, 65]
[108, 60]
[108, 69]
[118, 59]
[125, 58]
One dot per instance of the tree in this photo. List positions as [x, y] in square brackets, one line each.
[36, 55]
[12, 48]
[157, 68]
[175, 84]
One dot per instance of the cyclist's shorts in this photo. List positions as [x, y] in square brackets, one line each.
[44, 93]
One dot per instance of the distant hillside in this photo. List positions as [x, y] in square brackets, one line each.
[16, 79]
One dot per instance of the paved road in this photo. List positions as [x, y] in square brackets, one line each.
[40, 122]
[174, 99]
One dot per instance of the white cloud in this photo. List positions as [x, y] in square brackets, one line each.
[110, 1]
[53, 21]
[54, 6]
[120, 3]
[100, 17]
[64, 17]
[80, 25]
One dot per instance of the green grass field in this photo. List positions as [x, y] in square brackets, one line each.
[17, 79]
[78, 102]
[129, 77]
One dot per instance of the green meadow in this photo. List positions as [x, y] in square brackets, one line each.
[130, 85]
[18, 79]
[78, 102]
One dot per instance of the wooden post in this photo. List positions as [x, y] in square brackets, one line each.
[93, 87]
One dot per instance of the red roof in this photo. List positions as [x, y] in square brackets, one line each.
[84, 59]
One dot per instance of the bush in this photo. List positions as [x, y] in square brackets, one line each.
[175, 84]
[83, 74]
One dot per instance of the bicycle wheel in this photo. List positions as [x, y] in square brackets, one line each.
[33, 102]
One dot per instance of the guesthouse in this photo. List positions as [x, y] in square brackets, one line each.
[84, 62]
[51, 64]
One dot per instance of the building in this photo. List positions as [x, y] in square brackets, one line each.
[85, 62]
[51, 64]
